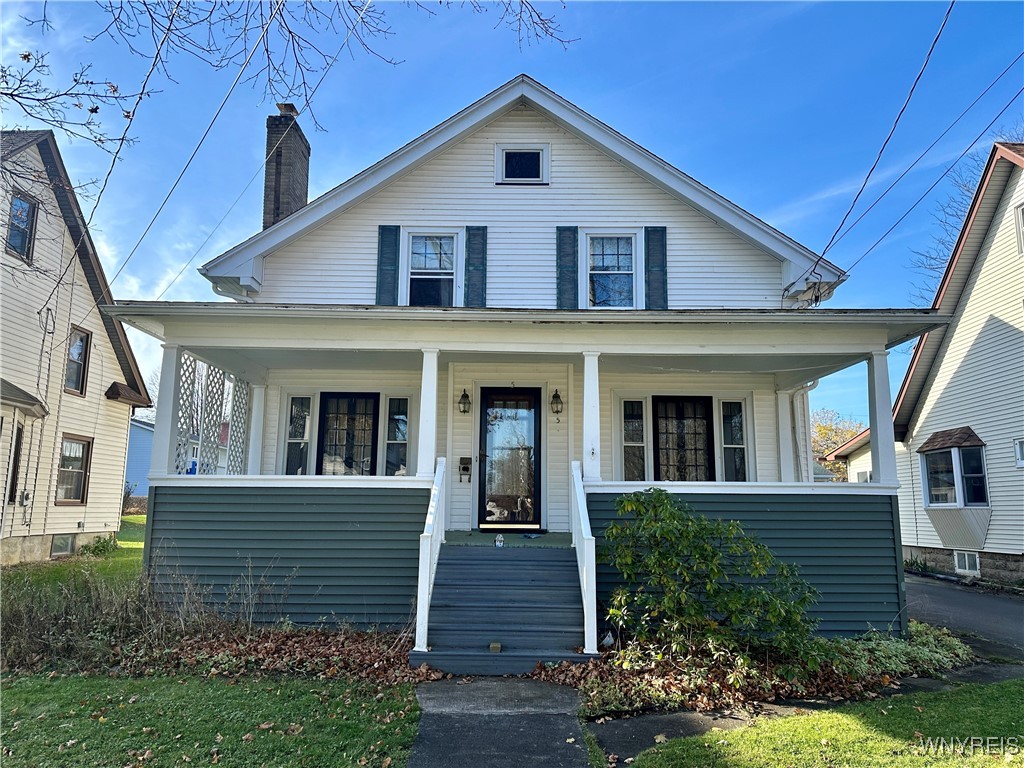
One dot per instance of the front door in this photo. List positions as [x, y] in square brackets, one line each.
[509, 463]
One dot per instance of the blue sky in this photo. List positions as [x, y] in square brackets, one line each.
[780, 107]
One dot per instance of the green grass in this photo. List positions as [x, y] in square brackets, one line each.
[120, 566]
[879, 734]
[95, 721]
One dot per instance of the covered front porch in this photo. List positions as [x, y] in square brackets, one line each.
[352, 452]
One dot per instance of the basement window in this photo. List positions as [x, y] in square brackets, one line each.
[966, 563]
[62, 544]
[521, 163]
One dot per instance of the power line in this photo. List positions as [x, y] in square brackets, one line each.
[120, 145]
[270, 154]
[936, 182]
[931, 146]
[814, 267]
[892, 130]
[209, 127]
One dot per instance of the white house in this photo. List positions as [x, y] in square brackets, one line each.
[69, 379]
[959, 415]
[499, 329]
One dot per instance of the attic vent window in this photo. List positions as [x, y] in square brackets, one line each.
[520, 164]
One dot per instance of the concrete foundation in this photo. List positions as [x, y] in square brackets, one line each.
[994, 566]
[32, 549]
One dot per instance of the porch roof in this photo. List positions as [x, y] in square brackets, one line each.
[796, 346]
[152, 317]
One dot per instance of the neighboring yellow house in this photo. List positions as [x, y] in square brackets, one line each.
[69, 379]
[959, 415]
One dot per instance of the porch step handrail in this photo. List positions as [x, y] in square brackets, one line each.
[586, 558]
[430, 547]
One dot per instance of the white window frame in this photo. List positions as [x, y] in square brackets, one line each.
[958, 481]
[720, 434]
[459, 233]
[1018, 451]
[743, 397]
[583, 260]
[966, 570]
[499, 164]
[286, 411]
[412, 396]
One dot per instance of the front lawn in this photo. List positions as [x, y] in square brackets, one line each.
[890, 733]
[81, 720]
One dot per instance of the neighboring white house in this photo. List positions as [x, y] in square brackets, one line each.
[959, 416]
[501, 328]
[69, 379]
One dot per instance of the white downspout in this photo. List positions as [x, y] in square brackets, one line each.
[802, 427]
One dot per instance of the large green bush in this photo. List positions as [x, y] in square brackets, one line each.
[692, 578]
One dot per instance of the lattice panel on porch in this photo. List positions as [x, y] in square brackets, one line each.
[210, 422]
[186, 414]
[238, 426]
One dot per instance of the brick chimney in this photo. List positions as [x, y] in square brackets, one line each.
[286, 183]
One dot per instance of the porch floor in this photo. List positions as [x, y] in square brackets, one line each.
[486, 539]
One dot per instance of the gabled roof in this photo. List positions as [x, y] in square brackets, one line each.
[850, 447]
[1003, 159]
[245, 260]
[133, 390]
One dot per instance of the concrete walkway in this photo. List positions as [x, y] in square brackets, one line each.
[498, 723]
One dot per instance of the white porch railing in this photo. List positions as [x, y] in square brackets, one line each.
[586, 558]
[430, 547]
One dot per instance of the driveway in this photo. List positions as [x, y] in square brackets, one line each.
[998, 618]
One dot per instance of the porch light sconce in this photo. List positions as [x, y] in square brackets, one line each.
[556, 404]
[465, 404]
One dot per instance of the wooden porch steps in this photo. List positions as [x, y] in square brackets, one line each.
[526, 599]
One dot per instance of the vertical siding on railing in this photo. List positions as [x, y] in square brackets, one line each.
[336, 554]
[845, 546]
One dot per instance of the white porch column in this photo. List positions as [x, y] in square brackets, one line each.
[591, 417]
[165, 430]
[255, 451]
[787, 458]
[426, 444]
[883, 436]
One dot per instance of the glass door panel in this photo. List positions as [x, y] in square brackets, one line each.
[684, 439]
[348, 433]
[509, 459]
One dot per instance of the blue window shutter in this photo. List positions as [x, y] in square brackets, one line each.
[655, 269]
[567, 267]
[476, 267]
[387, 265]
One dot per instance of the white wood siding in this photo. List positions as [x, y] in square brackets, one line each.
[283, 384]
[35, 361]
[707, 265]
[458, 434]
[756, 391]
[859, 461]
[979, 382]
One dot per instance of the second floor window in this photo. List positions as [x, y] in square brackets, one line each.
[78, 361]
[432, 271]
[20, 227]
